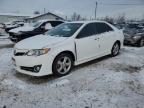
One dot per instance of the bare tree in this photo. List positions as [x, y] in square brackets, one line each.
[36, 12]
[74, 16]
[121, 18]
[77, 17]
[108, 19]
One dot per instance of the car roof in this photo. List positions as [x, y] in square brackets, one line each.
[42, 21]
[85, 22]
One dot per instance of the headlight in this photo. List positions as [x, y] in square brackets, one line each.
[136, 37]
[38, 52]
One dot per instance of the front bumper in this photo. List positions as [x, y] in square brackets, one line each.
[13, 37]
[28, 62]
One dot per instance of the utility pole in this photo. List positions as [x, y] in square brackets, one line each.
[44, 10]
[96, 10]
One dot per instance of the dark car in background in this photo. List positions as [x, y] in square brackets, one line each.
[37, 28]
[134, 36]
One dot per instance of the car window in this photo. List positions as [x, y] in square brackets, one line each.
[102, 28]
[55, 23]
[64, 30]
[88, 30]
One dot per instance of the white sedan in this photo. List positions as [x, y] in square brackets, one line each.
[65, 46]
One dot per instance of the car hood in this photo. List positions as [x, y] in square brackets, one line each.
[24, 28]
[127, 35]
[140, 34]
[38, 42]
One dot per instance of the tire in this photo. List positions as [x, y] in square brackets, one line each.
[141, 43]
[115, 49]
[62, 65]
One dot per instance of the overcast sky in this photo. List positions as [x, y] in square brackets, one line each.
[67, 7]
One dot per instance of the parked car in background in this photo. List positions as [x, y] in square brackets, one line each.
[134, 36]
[2, 25]
[66, 45]
[2, 31]
[120, 26]
[134, 39]
[13, 26]
[11, 23]
[37, 28]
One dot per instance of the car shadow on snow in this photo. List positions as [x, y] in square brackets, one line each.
[92, 62]
[34, 79]
[126, 68]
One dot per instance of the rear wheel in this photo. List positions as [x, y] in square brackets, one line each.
[141, 43]
[62, 64]
[115, 49]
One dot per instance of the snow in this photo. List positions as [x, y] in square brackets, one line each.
[107, 82]
[39, 41]
[24, 28]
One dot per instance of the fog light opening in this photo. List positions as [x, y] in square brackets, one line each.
[37, 68]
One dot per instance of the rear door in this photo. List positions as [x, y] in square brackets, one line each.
[106, 37]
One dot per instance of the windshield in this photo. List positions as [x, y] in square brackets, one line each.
[64, 30]
[37, 24]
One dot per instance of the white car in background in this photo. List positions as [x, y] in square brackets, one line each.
[65, 46]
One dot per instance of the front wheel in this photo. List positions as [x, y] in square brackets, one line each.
[115, 49]
[62, 64]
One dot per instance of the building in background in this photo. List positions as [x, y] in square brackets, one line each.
[44, 16]
[8, 17]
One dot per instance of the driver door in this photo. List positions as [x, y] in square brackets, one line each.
[87, 43]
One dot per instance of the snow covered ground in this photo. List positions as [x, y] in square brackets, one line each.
[116, 82]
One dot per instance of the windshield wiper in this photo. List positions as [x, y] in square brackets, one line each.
[54, 35]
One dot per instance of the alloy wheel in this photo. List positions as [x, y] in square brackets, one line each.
[63, 65]
[115, 49]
